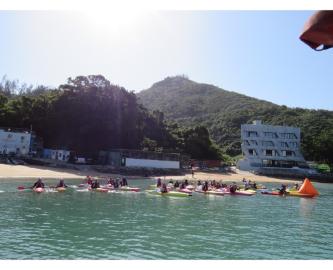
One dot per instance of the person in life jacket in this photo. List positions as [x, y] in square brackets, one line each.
[283, 189]
[124, 182]
[205, 186]
[38, 184]
[116, 183]
[95, 184]
[182, 185]
[61, 183]
[164, 188]
[176, 185]
[111, 181]
[159, 182]
[233, 188]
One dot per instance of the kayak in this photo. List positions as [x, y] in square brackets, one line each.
[190, 187]
[258, 187]
[297, 194]
[169, 193]
[133, 189]
[108, 186]
[248, 190]
[211, 192]
[39, 190]
[184, 190]
[99, 189]
[61, 189]
[241, 193]
[271, 193]
[291, 193]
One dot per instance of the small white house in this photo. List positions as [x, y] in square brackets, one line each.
[62, 155]
[14, 142]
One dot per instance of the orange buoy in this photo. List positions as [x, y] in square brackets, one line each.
[308, 188]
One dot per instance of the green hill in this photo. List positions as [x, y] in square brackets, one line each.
[222, 112]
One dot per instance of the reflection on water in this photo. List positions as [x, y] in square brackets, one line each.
[306, 207]
[74, 225]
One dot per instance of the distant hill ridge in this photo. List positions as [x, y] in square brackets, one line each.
[190, 103]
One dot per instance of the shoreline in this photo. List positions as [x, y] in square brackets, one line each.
[33, 172]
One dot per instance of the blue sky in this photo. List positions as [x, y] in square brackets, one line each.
[257, 53]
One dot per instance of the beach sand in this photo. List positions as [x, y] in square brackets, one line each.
[33, 172]
[28, 172]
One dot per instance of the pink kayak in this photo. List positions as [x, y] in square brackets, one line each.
[133, 189]
[211, 192]
[241, 193]
[185, 190]
[39, 190]
[108, 186]
[98, 189]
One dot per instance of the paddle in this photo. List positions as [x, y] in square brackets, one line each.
[23, 188]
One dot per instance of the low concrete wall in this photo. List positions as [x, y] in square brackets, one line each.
[150, 163]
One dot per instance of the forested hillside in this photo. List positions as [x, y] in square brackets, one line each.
[222, 112]
[88, 114]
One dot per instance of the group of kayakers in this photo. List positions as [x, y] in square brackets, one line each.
[39, 184]
[248, 184]
[200, 186]
[114, 183]
[214, 185]
[94, 184]
[177, 185]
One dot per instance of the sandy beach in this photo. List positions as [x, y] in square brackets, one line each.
[27, 172]
[32, 172]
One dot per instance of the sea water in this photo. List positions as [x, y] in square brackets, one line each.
[92, 225]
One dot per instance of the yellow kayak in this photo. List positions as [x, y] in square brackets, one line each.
[297, 194]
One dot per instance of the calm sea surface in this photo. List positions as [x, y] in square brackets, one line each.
[89, 225]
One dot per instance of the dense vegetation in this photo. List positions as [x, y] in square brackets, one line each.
[88, 114]
[222, 112]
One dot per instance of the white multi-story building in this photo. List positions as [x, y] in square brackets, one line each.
[14, 142]
[270, 146]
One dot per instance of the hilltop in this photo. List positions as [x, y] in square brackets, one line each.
[222, 112]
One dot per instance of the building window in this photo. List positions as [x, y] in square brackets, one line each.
[254, 142]
[293, 144]
[267, 143]
[268, 152]
[10, 136]
[270, 135]
[284, 144]
[252, 152]
[288, 136]
[22, 138]
[252, 134]
[288, 153]
[246, 142]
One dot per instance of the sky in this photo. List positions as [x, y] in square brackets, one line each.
[256, 53]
